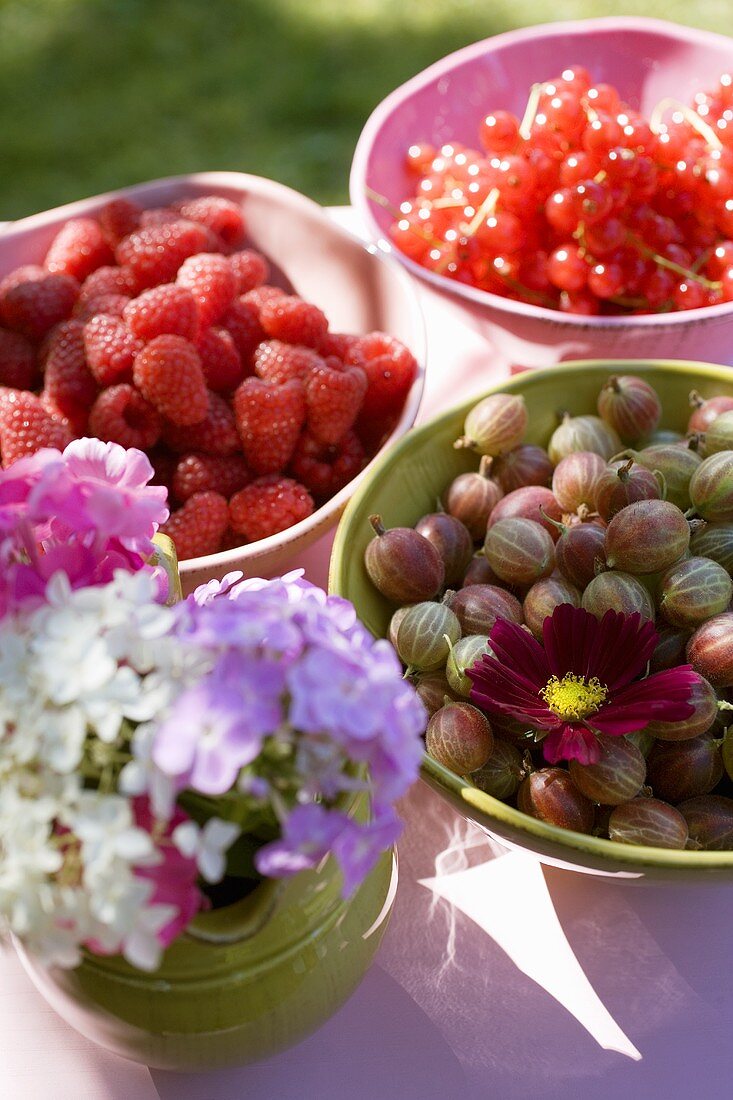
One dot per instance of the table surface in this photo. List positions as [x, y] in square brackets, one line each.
[497, 978]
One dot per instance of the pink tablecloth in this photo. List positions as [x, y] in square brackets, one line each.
[497, 978]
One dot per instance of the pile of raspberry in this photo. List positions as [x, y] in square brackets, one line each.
[158, 329]
[583, 205]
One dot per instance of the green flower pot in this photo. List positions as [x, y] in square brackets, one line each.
[246, 981]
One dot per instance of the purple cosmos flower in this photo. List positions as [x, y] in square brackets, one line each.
[585, 680]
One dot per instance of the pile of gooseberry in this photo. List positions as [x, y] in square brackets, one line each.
[583, 205]
[614, 513]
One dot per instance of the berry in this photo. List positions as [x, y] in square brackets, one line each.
[78, 248]
[287, 317]
[108, 280]
[198, 527]
[168, 373]
[17, 361]
[110, 349]
[261, 294]
[163, 310]
[216, 434]
[250, 268]
[122, 415]
[338, 344]
[118, 219]
[32, 300]
[242, 322]
[69, 383]
[221, 215]
[334, 399]
[390, 369]
[155, 253]
[269, 419]
[111, 304]
[267, 506]
[324, 468]
[196, 473]
[212, 282]
[220, 360]
[278, 362]
[26, 427]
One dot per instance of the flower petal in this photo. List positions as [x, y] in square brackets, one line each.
[516, 648]
[571, 742]
[615, 650]
[502, 689]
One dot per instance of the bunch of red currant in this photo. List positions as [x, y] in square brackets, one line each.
[583, 205]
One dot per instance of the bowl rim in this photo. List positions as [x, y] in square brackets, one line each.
[358, 175]
[152, 190]
[488, 810]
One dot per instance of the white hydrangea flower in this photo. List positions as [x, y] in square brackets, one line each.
[142, 776]
[207, 845]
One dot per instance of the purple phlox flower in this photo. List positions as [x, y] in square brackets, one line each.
[311, 831]
[103, 487]
[217, 726]
[256, 622]
[214, 589]
[308, 834]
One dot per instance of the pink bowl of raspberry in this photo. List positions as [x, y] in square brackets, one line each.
[259, 353]
[569, 187]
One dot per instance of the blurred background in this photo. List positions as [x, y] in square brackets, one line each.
[98, 94]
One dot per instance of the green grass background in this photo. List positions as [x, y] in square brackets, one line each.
[97, 94]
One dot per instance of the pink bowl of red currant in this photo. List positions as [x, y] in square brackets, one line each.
[569, 187]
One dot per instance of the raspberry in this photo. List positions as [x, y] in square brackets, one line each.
[268, 505]
[241, 320]
[108, 280]
[111, 304]
[196, 473]
[250, 268]
[278, 362]
[69, 383]
[156, 252]
[26, 427]
[75, 427]
[338, 344]
[158, 215]
[325, 469]
[220, 360]
[269, 419]
[390, 369]
[118, 219]
[198, 527]
[289, 318]
[215, 435]
[261, 294]
[221, 215]
[110, 349]
[212, 282]
[168, 374]
[122, 415]
[78, 248]
[17, 361]
[163, 310]
[33, 303]
[164, 464]
[334, 399]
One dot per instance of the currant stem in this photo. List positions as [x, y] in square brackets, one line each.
[525, 126]
[690, 116]
[485, 210]
[662, 261]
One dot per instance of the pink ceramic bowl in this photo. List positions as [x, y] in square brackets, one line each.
[358, 288]
[647, 60]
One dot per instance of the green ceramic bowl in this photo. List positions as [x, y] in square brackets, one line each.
[404, 485]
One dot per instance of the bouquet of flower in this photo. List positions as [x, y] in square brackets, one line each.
[147, 750]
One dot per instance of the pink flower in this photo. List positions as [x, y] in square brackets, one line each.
[103, 487]
[174, 878]
[582, 683]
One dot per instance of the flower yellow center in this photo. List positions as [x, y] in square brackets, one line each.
[574, 696]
